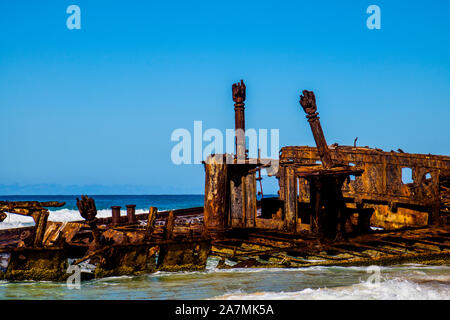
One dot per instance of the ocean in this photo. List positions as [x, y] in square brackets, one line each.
[410, 281]
[69, 212]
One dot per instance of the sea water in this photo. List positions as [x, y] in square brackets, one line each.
[69, 211]
[409, 281]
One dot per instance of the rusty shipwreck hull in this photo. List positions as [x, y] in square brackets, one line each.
[412, 218]
[375, 198]
[330, 199]
[129, 245]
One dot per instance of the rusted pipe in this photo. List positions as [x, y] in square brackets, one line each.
[115, 215]
[170, 224]
[150, 223]
[131, 213]
[238, 90]
[308, 102]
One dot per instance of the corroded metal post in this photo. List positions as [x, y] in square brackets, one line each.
[237, 201]
[290, 199]
[308, 102]
[215, 207]
[41, 225]
[150, 223]
[115, 215]
[131, 213]
[238, 90]
[170, 224]
[250, 200]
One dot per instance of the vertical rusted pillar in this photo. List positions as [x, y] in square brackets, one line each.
[281, 183]
[41, 225]
[238, 90]
[131, 213]
[115, 215]
[250, 200]
[290, 199]
[150, 223]
[308, 102]
[215, 206]
[170, 224]
[237, 198]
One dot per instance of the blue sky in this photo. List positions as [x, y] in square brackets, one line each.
[95, 108]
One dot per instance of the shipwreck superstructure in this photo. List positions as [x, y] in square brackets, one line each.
[336, 205]
[329, 200]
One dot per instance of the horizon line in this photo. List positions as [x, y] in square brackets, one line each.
[111, 194]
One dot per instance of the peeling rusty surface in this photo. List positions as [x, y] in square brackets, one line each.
[380, 186]
[262, 249]
[126, 260]
[185, 256]
[215, 203]
[41, 264]
[329, 198]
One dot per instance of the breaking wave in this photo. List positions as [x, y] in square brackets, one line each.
[62, 215]
[391, 289]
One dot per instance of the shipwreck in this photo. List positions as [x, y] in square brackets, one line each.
[336, 205]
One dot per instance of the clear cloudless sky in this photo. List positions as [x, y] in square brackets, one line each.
[94, 109]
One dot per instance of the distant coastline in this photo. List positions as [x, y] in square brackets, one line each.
[97, 189]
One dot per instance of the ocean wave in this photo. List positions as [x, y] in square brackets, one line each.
[62, 215]
[16, 221]
[391, 289]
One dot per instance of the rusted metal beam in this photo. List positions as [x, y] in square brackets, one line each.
[290, 199]
[308, 102]
[151, 223]
[250, 200]
[239, 95]
[216, 196]
[170, 223]
[41, 224]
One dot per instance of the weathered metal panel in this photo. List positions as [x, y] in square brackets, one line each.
[215, 206]
[396, 204]
[290, 196]
[250, 200]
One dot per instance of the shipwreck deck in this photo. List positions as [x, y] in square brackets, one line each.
[261, 248]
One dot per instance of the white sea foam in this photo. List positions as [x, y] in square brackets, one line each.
[65, 215]
[62, 215]
[16, 221]
[391, 289]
